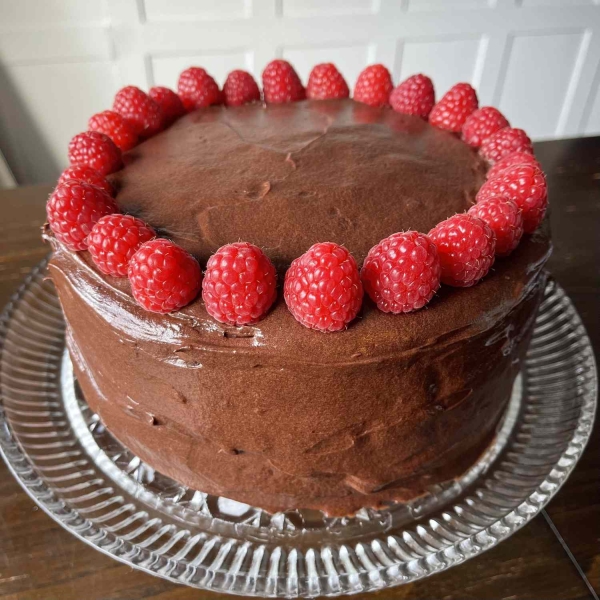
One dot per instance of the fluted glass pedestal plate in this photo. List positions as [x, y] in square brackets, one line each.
[93, 486]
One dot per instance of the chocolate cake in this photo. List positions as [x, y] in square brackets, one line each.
[274, 414]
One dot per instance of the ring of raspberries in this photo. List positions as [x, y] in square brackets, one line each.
[323, 288]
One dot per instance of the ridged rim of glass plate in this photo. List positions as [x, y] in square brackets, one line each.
[553, 427]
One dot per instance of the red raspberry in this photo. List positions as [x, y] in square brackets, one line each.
[325, 82]
[72, 210]
[114, 239]
[481, 124]
[239, 285]
[516, 158]
[526, 186]
[88, 175]
[455, 106]
[96, 150]
[281, 83]
[117, 128]
[197, 89]
[322, 288]
[466, 246]
[504, 218]
[414, 96]
[374, 86]
[170, 104]
[240, 88]
[505, 142]
[163, 276]
[402, 272]
[140, 110]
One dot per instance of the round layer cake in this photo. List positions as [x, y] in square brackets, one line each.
[274, 414]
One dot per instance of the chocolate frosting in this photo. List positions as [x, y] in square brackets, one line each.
[287, 176]
[274, 414]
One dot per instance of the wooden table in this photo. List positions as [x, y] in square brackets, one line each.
[556, 556]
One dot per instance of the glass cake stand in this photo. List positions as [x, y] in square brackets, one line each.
[83, 478]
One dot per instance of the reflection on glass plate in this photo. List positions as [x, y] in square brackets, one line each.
[97, 489]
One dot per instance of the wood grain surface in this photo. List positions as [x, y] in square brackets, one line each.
[556, 556]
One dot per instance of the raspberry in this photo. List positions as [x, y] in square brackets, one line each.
[505, 142]
[322, 288]
[504, 218]
[466, 246]
[402, 272]
[481, 124]
[170, 104]
[114, 239]
[163, 276]
[516, 158]
[281, 83]
[88, 175]
[374, 86]
[117, 128]
[325, 82]
[197, 89]
[73, 209]
[526, 186]
[455, 106]
[140, 110]
[239, 285]
[414, 96]
[96, 150]
[240, 88]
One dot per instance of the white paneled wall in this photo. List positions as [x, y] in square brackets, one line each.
[63, 60]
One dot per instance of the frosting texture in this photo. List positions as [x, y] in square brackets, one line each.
[274, 414]
[287, 176]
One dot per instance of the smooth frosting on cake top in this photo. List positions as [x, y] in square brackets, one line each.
[287, 176]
